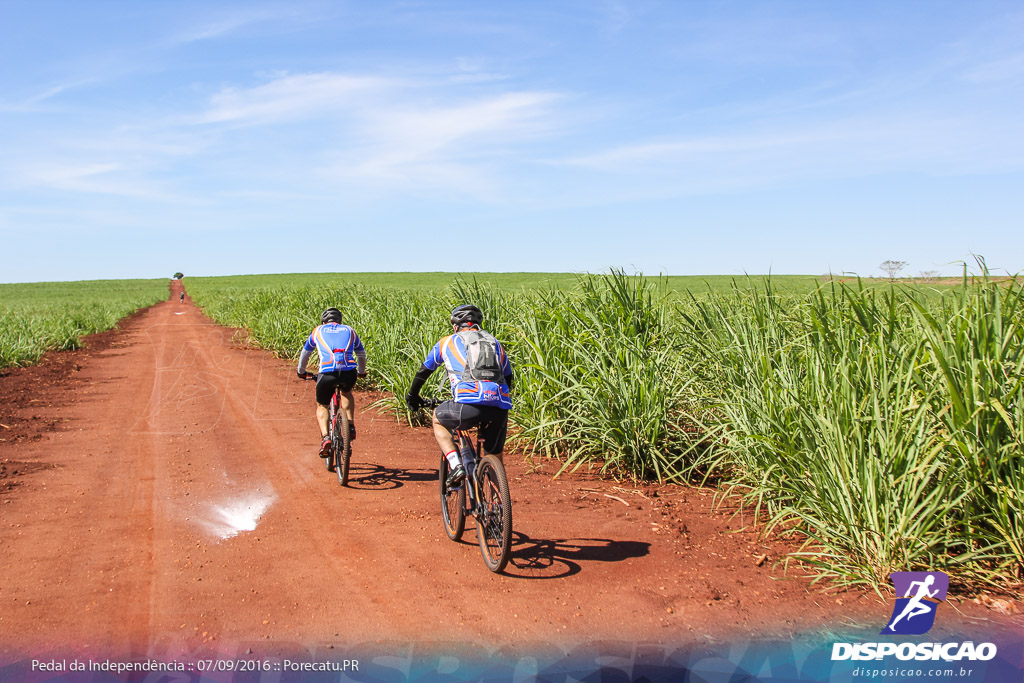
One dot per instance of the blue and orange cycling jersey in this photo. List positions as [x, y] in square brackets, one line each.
[451, 352]
[337, 345]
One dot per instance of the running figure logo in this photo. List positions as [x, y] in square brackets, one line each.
[914, 612]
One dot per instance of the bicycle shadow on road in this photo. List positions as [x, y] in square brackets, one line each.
[559, 558]
[373, 477]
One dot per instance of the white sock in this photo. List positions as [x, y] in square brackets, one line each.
[453, 459]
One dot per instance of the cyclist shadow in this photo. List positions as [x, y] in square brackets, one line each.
[558, 558]
[373, 477]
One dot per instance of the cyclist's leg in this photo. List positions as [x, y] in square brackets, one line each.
[321, 419]
[440, 421]
[493, 430]
[348, 404]
[347, 380]
[448, 417]
[324, 391]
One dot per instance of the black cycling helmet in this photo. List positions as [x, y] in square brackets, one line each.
[466, 314]
[331, 315]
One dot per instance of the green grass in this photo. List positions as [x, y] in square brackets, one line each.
[42, 316]
[882, 422]
[438, 282]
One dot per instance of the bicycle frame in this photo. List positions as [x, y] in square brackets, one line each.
[333, 407]
[462, 440]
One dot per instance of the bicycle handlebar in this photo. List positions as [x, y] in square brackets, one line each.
[311, 376]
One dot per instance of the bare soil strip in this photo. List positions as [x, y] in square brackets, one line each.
[161, 496]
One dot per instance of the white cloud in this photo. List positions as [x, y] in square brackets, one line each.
[460, 148]
[291, 98]
[791, 153]
[226, 24]
[630, 156]
[923, 141]
[109, 178]
[408, 134]
[35, 102]
[474, 70]
[376, 133]
[390, 133]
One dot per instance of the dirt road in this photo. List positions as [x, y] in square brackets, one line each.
[162, 495]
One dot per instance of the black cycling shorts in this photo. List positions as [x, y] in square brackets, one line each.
[492, 420]
[326, 381]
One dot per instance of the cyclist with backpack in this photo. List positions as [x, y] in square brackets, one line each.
[342, 360]
[480, 375]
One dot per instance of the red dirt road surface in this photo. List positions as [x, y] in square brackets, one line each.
[161, 495]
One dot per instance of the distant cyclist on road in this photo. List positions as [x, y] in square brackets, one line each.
[181, 298]
[480, 375]
[342, 360]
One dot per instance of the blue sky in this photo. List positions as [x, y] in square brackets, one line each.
[682, 137]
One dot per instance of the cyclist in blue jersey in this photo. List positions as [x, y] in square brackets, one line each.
[342, 360]
[480, 375]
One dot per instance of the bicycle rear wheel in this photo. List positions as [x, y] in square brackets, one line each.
[453, 503]
[494, 517]
[342, 447]
[331, 418]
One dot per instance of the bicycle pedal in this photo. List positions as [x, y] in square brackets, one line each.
[456, 478]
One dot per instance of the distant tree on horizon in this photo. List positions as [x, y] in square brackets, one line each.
[178, 276]
[892, 268]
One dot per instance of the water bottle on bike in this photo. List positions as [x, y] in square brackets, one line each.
[469, 460]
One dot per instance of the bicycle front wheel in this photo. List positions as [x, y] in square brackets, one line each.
[342, 447]
[453, 503]
[494, 518]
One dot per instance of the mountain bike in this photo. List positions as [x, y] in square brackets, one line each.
[483, 493]
[339, 432]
